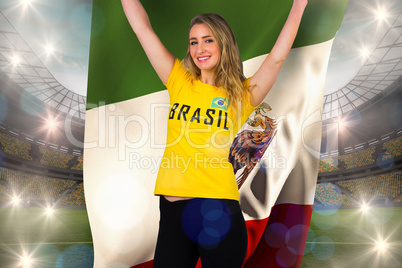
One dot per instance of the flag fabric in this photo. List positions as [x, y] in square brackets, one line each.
[126, 119]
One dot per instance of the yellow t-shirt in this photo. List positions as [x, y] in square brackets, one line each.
[201, 129]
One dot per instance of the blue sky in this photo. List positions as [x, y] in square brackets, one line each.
[66, 25]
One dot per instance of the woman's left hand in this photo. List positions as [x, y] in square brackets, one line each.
[263, 80]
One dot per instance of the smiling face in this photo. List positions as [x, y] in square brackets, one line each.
[203, 49]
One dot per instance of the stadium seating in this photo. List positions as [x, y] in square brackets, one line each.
[387, 185]
[359, 158]
[32, 186]
[5, 194]
[20, 148]
[12, 145]
[387, 150]
[346, 201]
[75, 198]
[327, 165]
[393, 147]
[27, 187]
[54, 158]
[79, 166]
[327, 194]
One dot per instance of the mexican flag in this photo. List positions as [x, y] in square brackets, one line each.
[126, 119]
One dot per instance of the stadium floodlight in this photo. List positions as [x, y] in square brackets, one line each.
[365, 208]
[15, 60]
[49, 48]
[381, 14]
[25, 3]
[381, 245]
[51, 123]
[26, 261]
[16, 200]
[364, 52]
[49, 211]
[341, 123]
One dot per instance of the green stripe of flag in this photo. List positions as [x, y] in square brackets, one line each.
[119, 69]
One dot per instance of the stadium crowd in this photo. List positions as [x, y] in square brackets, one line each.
[327, 165]
[27, 186]
[23, 149]
[54, 158]
[387, 186]
[393, 147]
[14, 146]
[390, 150]
[80, 165]
[359, 158]
[75, 198]
[328, 194]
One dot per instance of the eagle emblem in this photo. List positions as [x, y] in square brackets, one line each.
[250, 145]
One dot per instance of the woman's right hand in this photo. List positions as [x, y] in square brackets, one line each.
[161, 59]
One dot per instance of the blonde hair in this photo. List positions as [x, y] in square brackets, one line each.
[229, 69]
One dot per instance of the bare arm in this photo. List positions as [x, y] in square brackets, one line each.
[161, 59]
[263, 80]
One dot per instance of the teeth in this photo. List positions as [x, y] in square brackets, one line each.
[203, 58]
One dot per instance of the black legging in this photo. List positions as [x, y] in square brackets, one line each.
[212, 229]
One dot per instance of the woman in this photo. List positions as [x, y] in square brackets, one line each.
[210, 99]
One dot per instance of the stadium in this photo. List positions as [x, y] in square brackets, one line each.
[357, 214]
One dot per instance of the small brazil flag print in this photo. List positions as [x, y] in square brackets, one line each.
[220, 103]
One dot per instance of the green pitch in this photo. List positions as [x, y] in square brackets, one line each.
[29, 235]
[350, 238]
[343, 238]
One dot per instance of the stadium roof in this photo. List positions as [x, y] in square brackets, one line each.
[380, 70]
[22, 65]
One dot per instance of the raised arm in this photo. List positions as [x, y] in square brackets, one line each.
[263, 80]
[161, 59]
